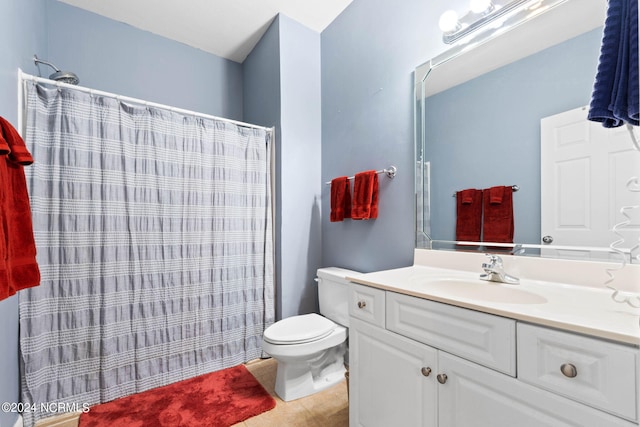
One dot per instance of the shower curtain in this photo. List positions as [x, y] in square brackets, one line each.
[154, 237]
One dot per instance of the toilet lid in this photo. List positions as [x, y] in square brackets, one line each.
[299, 329]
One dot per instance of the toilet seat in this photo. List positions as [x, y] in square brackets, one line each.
[299, 329]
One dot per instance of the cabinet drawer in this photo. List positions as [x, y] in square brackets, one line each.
[474, 396]
[596, 372]
[367, 303]
[479, 337]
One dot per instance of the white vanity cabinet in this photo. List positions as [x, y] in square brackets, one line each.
[415, 362]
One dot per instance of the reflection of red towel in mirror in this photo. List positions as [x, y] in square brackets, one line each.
[469, 215]
[340, 199]
[18, 266]
[498, 226]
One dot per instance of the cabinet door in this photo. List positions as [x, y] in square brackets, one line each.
[389, 385]
[480, 397]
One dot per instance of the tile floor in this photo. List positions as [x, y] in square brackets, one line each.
[328, 408]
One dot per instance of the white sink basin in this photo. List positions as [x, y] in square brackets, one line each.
[477, 289]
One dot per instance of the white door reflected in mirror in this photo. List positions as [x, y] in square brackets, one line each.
[584, 172]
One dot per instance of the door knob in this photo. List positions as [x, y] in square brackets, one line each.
[547, 239]
[426, 371]
[442, 378]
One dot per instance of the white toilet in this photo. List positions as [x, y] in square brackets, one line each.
[310, 348]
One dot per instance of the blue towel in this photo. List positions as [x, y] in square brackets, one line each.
[616, 93]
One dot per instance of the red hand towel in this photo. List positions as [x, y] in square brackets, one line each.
[340, 199]
[468, 215]
[19, 249]
[365, 195]
[467, 196]
[498, 223]
[496, 194]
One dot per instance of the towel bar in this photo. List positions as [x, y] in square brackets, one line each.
[390, 172]
[513, 187]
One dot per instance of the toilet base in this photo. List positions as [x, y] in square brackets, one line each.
[296, 379]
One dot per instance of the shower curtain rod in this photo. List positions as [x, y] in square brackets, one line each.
[25, 76]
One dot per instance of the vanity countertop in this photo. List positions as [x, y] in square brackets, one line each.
[581, 309]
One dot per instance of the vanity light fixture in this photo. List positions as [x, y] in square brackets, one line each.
[482, 13]
[483, 7]
[449, 23]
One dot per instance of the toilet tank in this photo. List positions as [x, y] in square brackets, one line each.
[333, 293]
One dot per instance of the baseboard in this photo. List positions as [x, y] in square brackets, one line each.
[19, 422]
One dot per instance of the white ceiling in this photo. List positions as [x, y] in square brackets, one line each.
[226, 28]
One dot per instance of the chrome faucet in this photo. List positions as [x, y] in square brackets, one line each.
[494, 271]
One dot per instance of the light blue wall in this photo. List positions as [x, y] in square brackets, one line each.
[474, 156]
[262, 106]
[22, 34]
[369, 54]
[261, 77]
[282, 88]
[116, 57]
[300, 163]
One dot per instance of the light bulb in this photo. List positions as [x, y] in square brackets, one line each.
[481, 6]
[449, 21]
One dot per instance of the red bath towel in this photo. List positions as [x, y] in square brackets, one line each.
[340, 199]
[468, 215]
[4, 147]
[18, 152]
[498, 223]
[5, 289]
[18, 246]
[365, 195]
[4, 271]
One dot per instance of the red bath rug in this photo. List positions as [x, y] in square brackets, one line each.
[219, 399]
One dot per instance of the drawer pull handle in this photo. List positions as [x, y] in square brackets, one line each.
[442, 378]
[426, 371]
[362, 304]
[569, 370]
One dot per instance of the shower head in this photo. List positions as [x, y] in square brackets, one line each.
[59, 76]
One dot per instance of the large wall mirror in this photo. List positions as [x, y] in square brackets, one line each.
[485, 112]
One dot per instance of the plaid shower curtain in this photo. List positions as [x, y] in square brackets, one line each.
[154, 238]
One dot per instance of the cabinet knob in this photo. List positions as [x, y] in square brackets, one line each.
[362, 304]
[426, 371]
[569, 370]
[442, 378]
